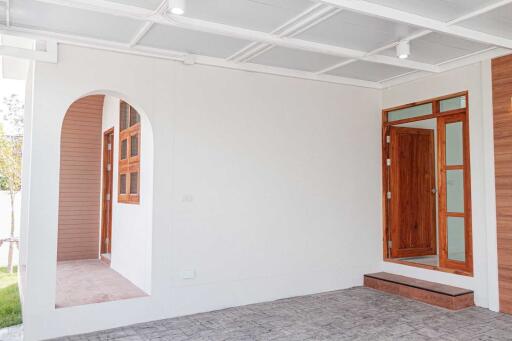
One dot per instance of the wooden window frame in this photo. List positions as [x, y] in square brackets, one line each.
[457, 115]
[132, 163]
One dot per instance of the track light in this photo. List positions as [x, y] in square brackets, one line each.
[403, 50]
[177, 7]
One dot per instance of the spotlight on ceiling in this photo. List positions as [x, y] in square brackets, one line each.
[177, 7]
[403, 50]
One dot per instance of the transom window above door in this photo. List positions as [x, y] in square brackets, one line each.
[427, 184]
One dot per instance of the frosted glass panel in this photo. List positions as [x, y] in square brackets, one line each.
[419, 110]
[455, 191]
[454, 144]
[456, 242]
[452, 103]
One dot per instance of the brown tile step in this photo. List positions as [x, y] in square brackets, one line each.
[441, 295]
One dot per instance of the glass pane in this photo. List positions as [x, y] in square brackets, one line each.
[134, 145]
[452, 103]
[454, 144]
[419, 110]
[134, 117]
[455, 191]
[134, 186]
[122, 184]
[123, 115]
[124, 149]
[456, 236]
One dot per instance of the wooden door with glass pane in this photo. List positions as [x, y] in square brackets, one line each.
[413, 195]
[455, 242]
[129, 154]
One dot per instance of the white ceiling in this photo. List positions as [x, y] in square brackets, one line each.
[344, 41]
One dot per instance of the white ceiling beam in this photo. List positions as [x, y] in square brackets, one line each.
[293, 43]
[180, 56]
[392, 14]
[226, 30]
[292, 28]
[247, 49]
[148, 24]
[423, 33]
[297, 29]
[141, 33]
[480, 11]
[476, 57]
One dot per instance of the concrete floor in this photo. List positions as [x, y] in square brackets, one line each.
[14, 333]
[352, 314]
[91, 281]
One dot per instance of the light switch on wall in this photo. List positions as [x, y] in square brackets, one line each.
[188, 274]
[187, 198]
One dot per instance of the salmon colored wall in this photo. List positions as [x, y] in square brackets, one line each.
[80, 180]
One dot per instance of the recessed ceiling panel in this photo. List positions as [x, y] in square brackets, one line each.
[62, 19]
[200, 43]
[497, 22]
[436, 48]
[356, 31]
[369, 71]
[444, 10]
[148, 4]
[260, 15]
[296, 59]
[2, 14]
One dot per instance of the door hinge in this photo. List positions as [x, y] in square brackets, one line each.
[388, 139]
[388, 195]
[388, 162]
[109, 146]
[108, 196]
[109, 167]
[390, 244]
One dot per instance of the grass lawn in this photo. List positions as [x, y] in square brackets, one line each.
[10, 307]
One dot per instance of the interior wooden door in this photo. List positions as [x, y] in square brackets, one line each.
[108, 161]
[412, 192]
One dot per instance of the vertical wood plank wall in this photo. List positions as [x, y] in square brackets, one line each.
[80, 180]
[502, 102]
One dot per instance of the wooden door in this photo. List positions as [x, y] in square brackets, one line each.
[412, 192]
[108, 161]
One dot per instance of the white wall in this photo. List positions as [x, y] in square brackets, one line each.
[476, 79]
[132, 224]
[267, 187]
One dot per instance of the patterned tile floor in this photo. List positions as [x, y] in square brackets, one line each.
[352, 314]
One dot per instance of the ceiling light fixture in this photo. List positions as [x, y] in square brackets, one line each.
[403, 50]
[177, 7]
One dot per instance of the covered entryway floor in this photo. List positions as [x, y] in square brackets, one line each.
[91, 281]
[352, 314]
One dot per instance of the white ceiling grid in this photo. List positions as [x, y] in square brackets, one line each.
[339, 41]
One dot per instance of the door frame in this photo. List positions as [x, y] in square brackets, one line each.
[450, 267]
[107, 192]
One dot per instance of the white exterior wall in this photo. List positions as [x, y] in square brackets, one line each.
[131, 224]
[266, 187]
[476, 79]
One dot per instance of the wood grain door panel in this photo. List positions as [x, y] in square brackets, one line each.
[413, 198]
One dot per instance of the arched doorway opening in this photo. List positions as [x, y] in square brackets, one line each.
[105, 202]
